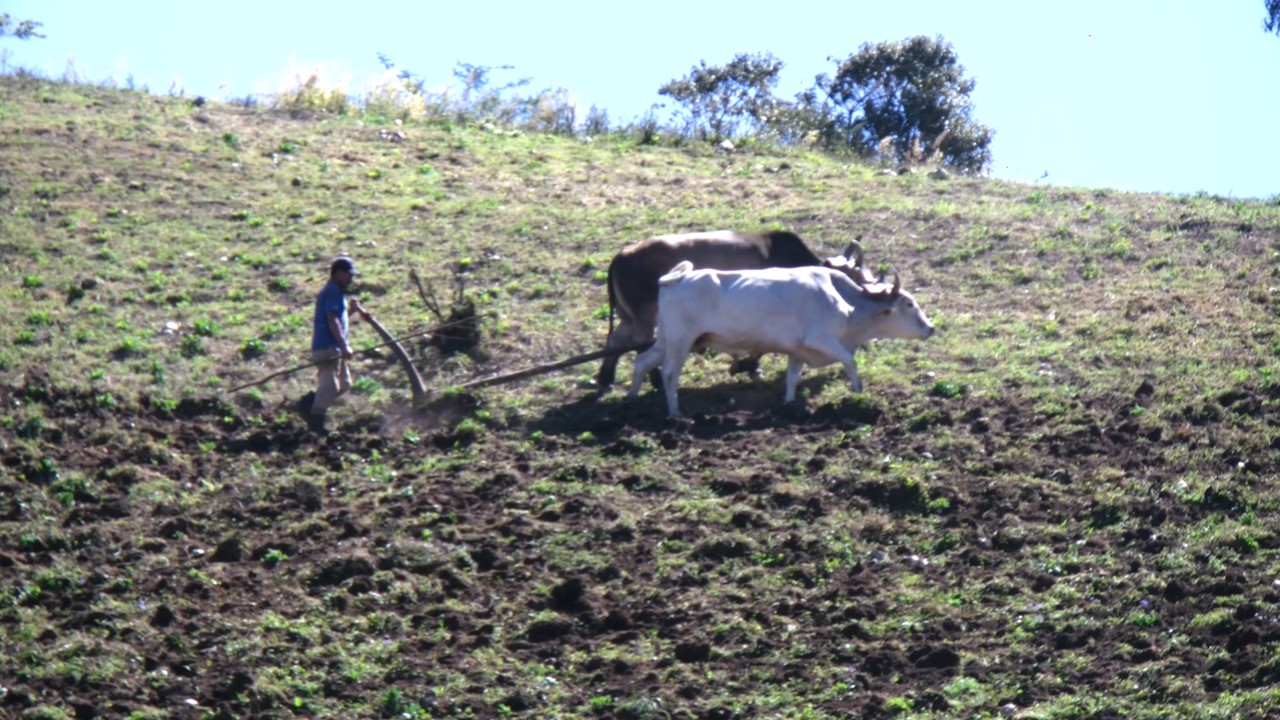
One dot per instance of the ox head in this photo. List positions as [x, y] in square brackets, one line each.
[899, 315]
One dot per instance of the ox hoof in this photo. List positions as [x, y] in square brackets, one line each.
[796, 409]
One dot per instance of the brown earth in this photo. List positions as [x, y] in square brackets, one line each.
[207, 566]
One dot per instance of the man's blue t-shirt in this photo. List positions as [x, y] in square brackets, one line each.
[331, 299]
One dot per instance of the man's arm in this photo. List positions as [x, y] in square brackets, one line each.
[335, 327]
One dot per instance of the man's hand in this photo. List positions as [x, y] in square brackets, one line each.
[354, 306]
[347, 354]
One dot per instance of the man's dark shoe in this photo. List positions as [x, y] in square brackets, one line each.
[315, 423]
[306, 401]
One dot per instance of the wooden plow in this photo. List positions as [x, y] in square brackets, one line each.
[420, 393]
[422, 396]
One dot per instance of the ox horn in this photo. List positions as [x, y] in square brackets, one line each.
[855, 246]
[897, 285]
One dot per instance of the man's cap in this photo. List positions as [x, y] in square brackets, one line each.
[344, 263]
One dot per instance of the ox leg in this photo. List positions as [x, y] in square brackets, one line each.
[794, 366]
[608, 372]
[851, 369]
[625, 335]
[749, 365]
[655, 374]
[609, 366]
[671, 367]
[833, 349]
[655, 379]
[647, 362]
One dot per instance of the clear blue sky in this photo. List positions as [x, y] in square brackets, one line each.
[1143, 95]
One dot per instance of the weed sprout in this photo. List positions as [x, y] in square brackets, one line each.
[252, 348]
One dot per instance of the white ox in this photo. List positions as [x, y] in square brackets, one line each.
[813, 315]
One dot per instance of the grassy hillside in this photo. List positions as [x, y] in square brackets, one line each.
[1062, 505]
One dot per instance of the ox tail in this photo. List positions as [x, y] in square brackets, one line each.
[613, 297]
[680, 270]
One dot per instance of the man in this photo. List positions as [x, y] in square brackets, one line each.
[330, 348]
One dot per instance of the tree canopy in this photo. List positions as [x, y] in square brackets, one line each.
[721, 101]
[1272, 21]
[21, 29]
[908, 98]
[905, 101]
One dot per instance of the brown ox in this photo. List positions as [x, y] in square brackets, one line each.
[634, 273]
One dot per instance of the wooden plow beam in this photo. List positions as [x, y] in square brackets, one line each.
[548, 367]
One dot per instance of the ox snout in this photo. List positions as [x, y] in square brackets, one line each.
[916, 324]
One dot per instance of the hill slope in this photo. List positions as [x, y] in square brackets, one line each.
[1064, 501]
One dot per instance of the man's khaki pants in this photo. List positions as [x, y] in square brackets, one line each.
[333, 378]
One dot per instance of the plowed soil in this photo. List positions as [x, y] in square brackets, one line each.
[203, 579]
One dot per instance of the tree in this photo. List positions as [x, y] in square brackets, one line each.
[21, 29]
[479, 99]
[1272, 22]
[723, 102]
[807, 121]
[907, 99]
